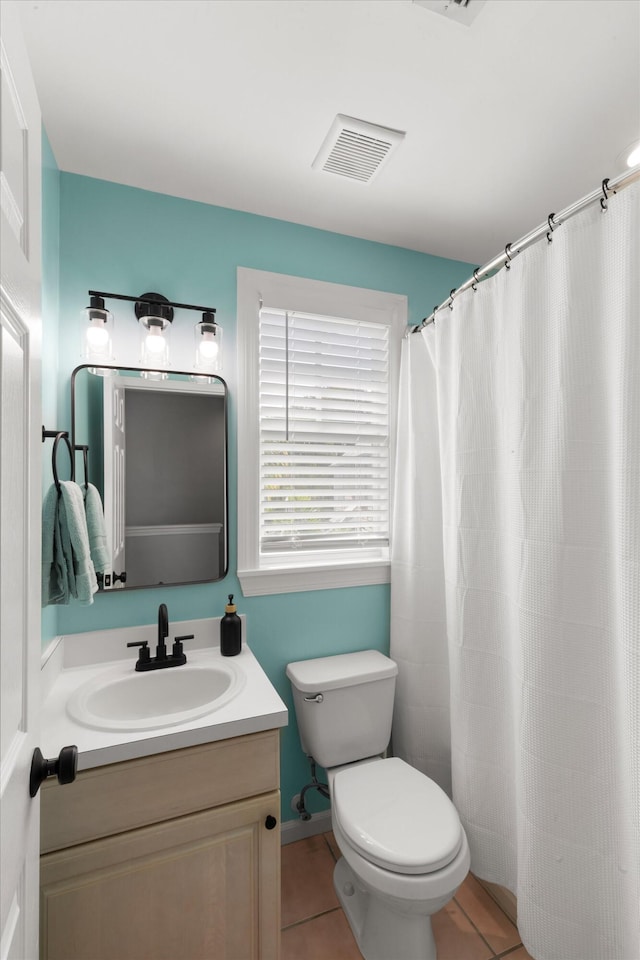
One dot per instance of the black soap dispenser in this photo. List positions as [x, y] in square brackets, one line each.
[230, 631]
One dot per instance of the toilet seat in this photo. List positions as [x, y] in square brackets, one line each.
[396, 817]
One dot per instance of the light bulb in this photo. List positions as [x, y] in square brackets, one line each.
[154, 342]
[97, 335]
[208, 343]
[208, 349]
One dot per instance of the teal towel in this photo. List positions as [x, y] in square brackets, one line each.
[98, 546]
[55, 583]
[72, 530]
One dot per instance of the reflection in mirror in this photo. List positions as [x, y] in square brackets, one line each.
[157, 453]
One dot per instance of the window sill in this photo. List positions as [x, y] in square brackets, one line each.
[260, 583]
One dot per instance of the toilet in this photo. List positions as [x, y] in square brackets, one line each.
[404, 851]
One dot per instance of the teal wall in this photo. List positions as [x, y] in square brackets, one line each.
[126, 240]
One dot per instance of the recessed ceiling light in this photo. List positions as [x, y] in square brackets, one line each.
[630, 156]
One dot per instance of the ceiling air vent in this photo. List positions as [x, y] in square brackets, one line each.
[462, 11]
[356, 149]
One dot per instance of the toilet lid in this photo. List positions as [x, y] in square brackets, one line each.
[396, 817]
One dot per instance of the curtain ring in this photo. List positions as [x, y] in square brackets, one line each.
[551, 227]
[603, 200]
[453, 290]
[474, 286]
[507, 250]
[435, 310]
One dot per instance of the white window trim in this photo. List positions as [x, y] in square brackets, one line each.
[328, 299]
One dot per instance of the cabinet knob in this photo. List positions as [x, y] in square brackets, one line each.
[63, 767]
[270, 822]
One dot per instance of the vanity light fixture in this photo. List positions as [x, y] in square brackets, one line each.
[155, 315]
[97, 344]
[208, 344]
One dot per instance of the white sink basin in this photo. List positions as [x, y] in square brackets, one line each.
[121, 699]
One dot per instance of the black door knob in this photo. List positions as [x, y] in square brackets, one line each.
[270, 822]
[63, 767]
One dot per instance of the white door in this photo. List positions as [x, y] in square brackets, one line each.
[114, 477]
[20, 491]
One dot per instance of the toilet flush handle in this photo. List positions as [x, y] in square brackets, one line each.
[317, 699]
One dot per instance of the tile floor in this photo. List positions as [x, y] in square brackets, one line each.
[470, 927]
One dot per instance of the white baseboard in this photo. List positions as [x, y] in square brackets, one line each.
[292, 830]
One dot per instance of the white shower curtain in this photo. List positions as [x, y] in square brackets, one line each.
[421, 726]
[538, 385]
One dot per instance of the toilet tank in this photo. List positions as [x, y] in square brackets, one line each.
[344, 705]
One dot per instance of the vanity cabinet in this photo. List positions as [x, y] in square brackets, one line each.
[175, 856]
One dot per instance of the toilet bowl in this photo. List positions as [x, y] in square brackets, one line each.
[404, 855]
[404, 851]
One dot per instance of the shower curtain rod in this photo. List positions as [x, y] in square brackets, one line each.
[513, 249]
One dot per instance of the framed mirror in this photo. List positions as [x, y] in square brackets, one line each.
[155, 447]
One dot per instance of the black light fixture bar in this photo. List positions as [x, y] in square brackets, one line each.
[155, 303]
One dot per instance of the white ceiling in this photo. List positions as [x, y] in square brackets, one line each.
[228, 102]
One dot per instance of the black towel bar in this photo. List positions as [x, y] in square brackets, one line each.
[59, 435]
[85, 462]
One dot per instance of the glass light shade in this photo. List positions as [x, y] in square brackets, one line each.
[155, 341]
[97, 333]
[208, 345]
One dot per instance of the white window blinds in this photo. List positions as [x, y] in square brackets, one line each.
[324, 433]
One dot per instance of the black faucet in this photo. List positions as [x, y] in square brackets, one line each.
[161, 660]
[163, 631]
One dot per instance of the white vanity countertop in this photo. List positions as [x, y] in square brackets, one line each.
[72, 660]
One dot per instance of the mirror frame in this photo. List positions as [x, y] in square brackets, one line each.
[182, 373]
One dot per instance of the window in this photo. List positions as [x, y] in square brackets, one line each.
[316, 432]
[324, 433]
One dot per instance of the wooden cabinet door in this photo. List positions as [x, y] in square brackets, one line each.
[200, 887]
